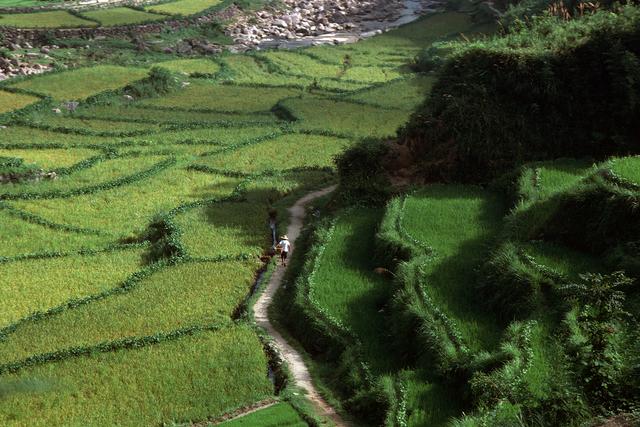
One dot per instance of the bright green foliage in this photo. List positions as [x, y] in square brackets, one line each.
[176, 297]
[191, 66]
[192, 378]
[121, 16]
[223, 98]
[278, 415]
[39, 284]
[281, 153]
[129, 208]
[542, 180]
[49, 19]
[18, 238]
[457, 222]
[51, 159]
[184, 7]
[13, 101]
[347, 118]
[83, 82]
[627, 168]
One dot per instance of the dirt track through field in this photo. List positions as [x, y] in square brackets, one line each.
[298, 369]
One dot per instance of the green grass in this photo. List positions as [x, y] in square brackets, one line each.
[568, 262]
[627, 168]
[345, 285]
[458, 222]
[22, 237]
[51, 159]
[431, 404]
[184, 7]
[176, 297]
[14, 101]
[50, 19]
[542, 180]
[83, 82]
[39, 284]
[319, 114]
[191, 66]
[223, 98]
[121, 16]
[281, 153]
[193, 378]
[278, 415]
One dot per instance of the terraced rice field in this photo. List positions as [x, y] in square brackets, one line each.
[184, 7]
[86, 82]
[50, 19]
[121, 16]
[125, 274]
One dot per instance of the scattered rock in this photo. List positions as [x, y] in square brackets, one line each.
[315, 18]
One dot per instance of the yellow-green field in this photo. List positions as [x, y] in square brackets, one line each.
[127, 274]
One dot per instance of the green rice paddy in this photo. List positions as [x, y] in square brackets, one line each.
[148, 334]
[184, 7]
[121, 16]
[86, 81]
[49, 19]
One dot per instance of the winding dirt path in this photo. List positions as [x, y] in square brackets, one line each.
[298, 369]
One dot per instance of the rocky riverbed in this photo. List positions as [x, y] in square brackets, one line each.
[302, 23]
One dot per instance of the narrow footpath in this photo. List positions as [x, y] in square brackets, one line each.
[298, 369]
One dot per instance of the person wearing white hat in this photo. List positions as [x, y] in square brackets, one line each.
[285, 247]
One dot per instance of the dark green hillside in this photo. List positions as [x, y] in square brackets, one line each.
[545, 90]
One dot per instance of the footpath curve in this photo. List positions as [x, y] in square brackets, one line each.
[298, 369]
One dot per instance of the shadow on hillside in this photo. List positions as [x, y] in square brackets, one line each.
[451, 280]
[248, 218]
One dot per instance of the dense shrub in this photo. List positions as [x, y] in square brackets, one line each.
[159, 82]
[594, 344]
[546, 90]
[361, 172]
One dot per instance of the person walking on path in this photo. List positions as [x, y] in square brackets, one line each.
[285, 247]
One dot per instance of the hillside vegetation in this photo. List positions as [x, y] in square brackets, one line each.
[544, 90]
[510, 297]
